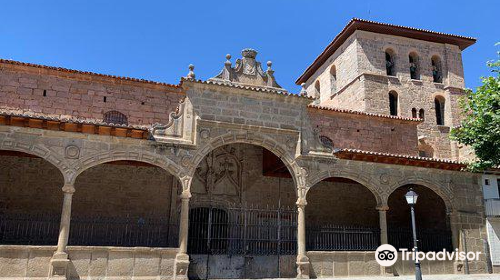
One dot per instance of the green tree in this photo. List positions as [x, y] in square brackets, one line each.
[480, 127]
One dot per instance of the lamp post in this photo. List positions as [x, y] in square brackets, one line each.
[411, 199]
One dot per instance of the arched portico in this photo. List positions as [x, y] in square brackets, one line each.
[127, 155]
[38, 150]
[441, 189]
[252, 138]
[133, 203]
[343, 214]
[25, 219]
[366, 181]
[243, 199]
[59, 262]
[432, 219]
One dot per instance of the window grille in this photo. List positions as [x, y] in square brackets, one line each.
[115, 117]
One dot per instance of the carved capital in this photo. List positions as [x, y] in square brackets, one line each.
[186, 194]
[382, 208]
[186, 183]
[301, 202]
[68, 188]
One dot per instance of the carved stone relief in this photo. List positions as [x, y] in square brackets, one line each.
[180, 127]
[219, 174]
[72, 152]
[247, 71]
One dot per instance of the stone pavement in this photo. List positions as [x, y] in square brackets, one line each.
[424, 277]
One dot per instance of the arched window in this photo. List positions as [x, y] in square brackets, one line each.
[333, 79]
[437, 73]
[439, 106]
[389, 63]
[115, 117]
[414, 66]
[317, 89]
[393, 103]
[413, 113]
[421, 114]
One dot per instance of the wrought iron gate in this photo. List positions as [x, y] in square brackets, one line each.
[241, 242]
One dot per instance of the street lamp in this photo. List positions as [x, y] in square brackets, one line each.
[411, 199]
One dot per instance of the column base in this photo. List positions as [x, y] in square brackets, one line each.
[387, 271]
[181, 267]
[303, 267]
[59, 266]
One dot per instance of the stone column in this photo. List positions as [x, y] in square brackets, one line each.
[302, 259]
[382, 214]
[59, 262]
[182, 258]
[184, 223]
[454, 226]
[452, 221]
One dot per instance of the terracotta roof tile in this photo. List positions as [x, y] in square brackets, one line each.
[248, 87]
[382, 28]
[61, 69]
[347, 111]
[437, 160]
[33, 115]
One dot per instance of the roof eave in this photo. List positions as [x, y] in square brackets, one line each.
[382, 28]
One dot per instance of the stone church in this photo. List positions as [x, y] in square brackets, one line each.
[106, 177]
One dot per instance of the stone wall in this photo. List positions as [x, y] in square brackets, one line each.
[104, 190]
[351, 264]
[32, 262]
[365, 132]
[24, 180]
[239, 106]
[341, 203]
[242, 267]
[349, 97]
[82, 96]
[430, 211]
[367, 86]
[345, 61]
[119, 190]
[371, 57]
[235, 175]
[418, 94]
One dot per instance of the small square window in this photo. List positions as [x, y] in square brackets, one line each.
[486, 182]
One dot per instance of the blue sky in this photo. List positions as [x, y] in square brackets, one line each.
[157, 40]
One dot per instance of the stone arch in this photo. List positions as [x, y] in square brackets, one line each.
[444, 193]
[252, 139]
[390, 61]
[40, 151]
[414, 65]
[440, 109]
[437, 68]
[140, 156]
[365, 181]
[333, 79]
[141, 188]
[317, 89]
[393, 97]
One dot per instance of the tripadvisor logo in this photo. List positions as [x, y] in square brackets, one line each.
[387, 255]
